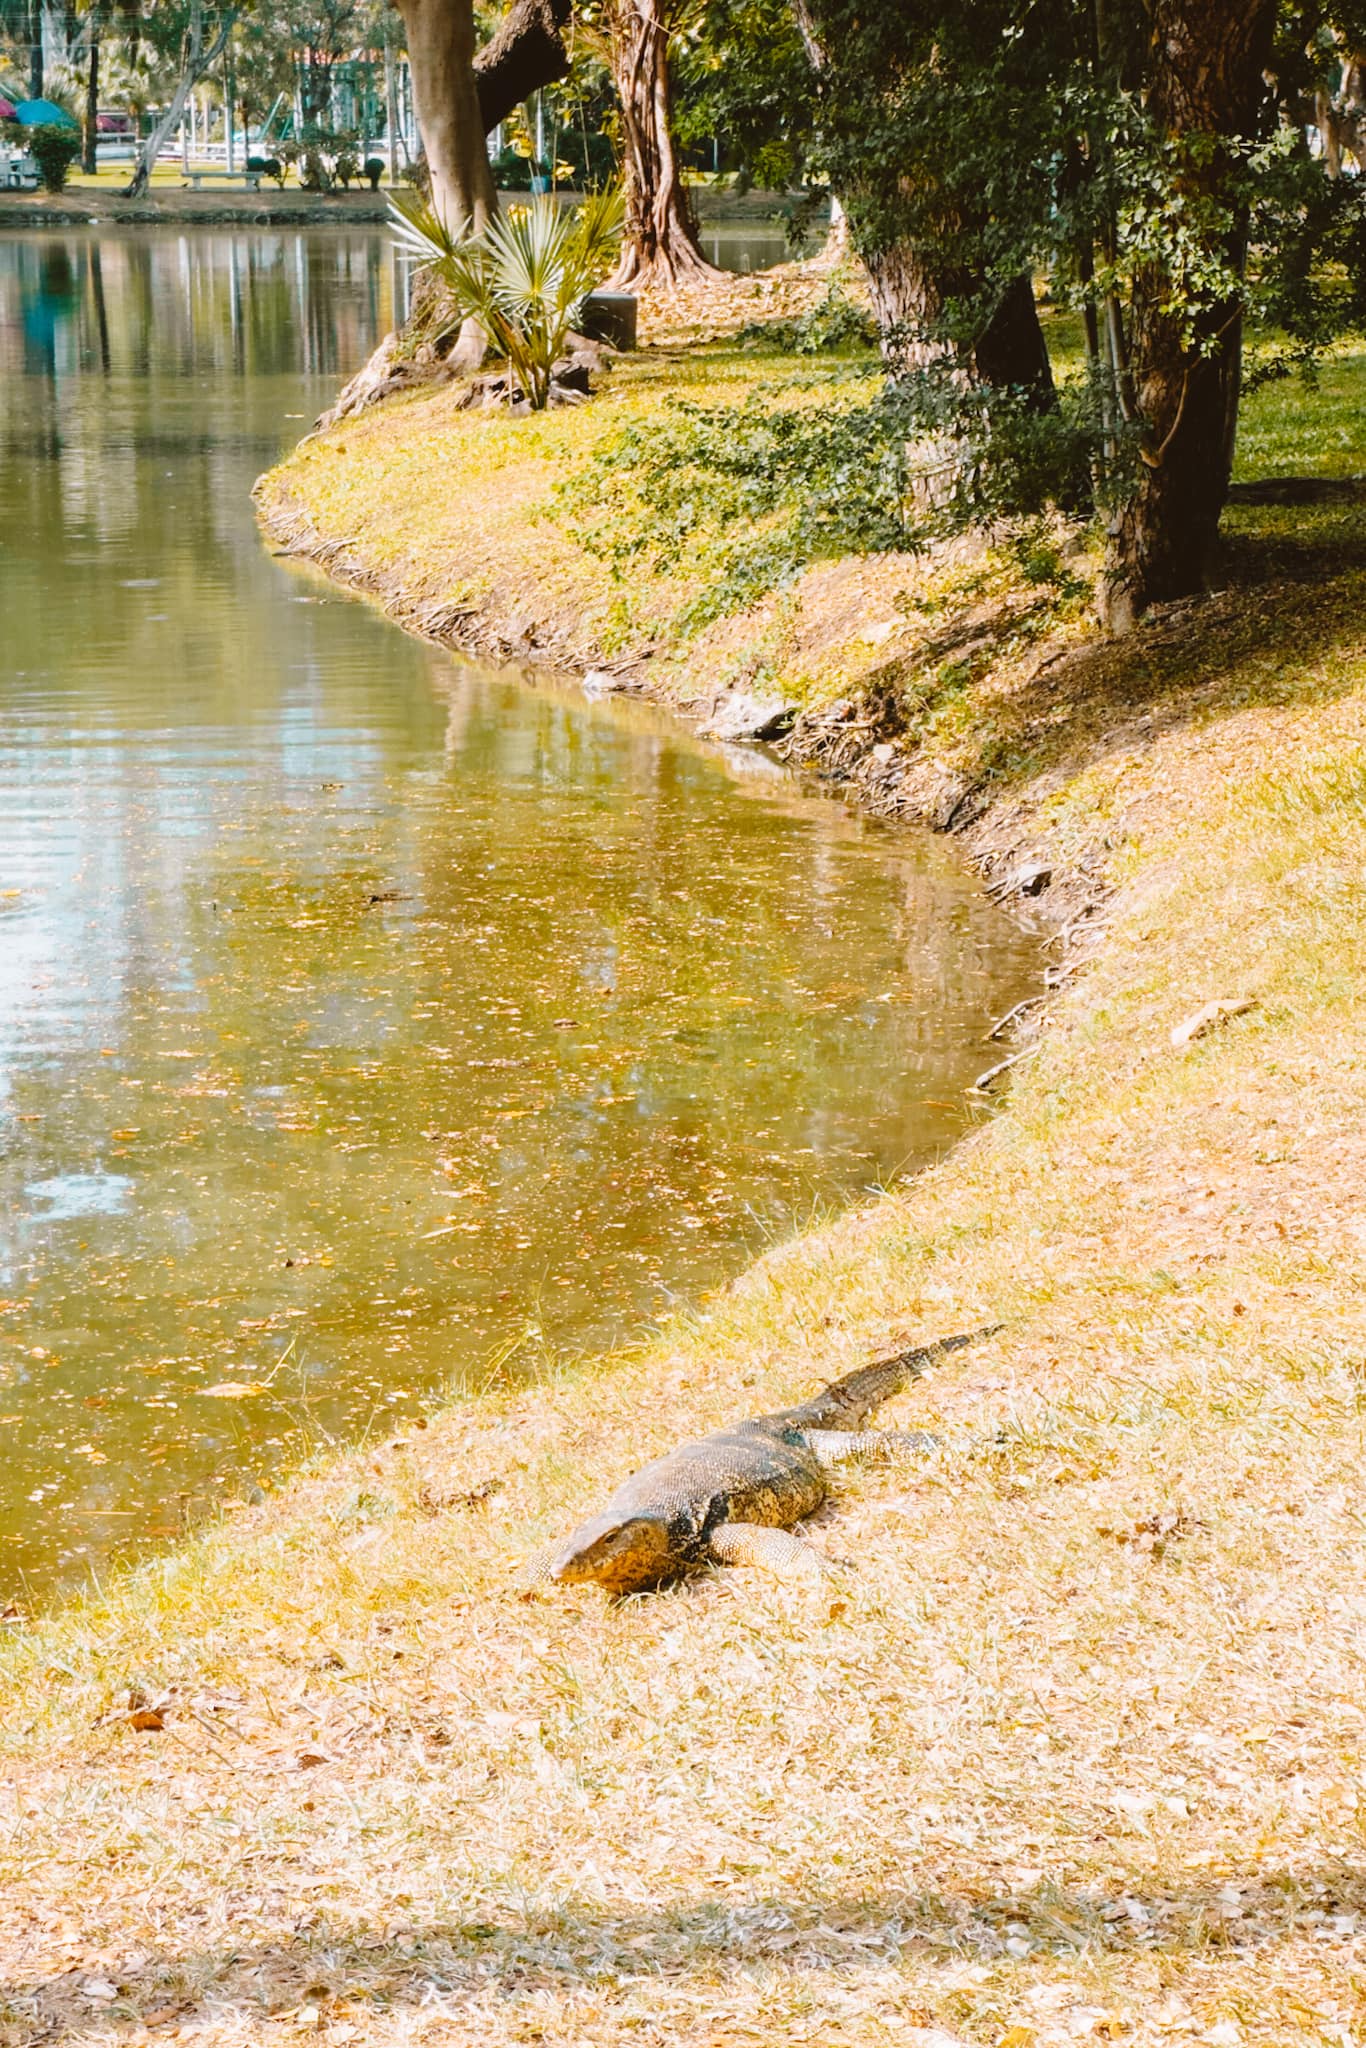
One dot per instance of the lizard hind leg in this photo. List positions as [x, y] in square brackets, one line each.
[774, 1550]
[833, 1445]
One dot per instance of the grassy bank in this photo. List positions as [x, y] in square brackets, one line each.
[1071, 1747]
[99, 202]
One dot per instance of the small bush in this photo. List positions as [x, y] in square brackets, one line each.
[744, 501]
[374, 171]
[54, 149]
[524, 278]
[836, 321]
[512, 171]
[315, 173]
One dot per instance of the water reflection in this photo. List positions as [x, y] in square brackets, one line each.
[367, 1018]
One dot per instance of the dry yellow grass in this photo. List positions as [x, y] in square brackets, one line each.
[1070, 1749]
[450, 517]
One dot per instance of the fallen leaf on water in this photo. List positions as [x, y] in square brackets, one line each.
[233, 1390]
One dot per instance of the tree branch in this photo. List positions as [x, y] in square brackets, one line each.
[527, 52]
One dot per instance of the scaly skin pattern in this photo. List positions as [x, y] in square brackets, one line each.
[759, 1474]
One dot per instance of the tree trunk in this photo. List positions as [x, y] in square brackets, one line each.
[909, 295]
[35, 50]
[1341, 116]
[908, 304]
[660, 246]
[836, 248]
[1205, 64]
[526, 53]
[441, 53]
[89, 156]
[197, 60]
[1011, 352]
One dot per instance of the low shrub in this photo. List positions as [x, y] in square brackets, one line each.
[814, 469]
[836, 322]
[524, 278]
[54, 148]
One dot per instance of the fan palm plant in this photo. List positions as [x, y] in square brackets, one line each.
[524, 278]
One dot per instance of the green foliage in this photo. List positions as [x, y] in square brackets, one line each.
[512, 170]
[743, 502]
[524, 278]
[327, 159]
[743, 74]
[835, 321]
[54, 149]
[948, 129]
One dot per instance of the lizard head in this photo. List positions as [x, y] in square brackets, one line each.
[623, 1552]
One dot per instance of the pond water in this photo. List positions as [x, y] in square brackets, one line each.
[751, 245]
[370, 1022]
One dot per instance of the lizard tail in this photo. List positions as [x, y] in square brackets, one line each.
[848, 1402]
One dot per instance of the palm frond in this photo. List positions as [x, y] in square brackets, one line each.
[524, 278]
[419, 228]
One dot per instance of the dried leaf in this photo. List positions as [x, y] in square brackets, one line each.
[1203, 1020]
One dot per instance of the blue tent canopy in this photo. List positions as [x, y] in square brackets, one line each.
[42, 113]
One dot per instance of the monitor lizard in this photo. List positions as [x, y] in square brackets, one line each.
[732, 1497]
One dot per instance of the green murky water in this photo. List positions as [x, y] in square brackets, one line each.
[369, 1021]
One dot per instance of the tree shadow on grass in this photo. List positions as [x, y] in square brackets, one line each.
[1294, 597]
[334, 1963]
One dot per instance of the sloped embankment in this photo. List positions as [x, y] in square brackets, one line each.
[1069, 1748]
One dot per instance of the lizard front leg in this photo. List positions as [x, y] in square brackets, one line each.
[774, 1550]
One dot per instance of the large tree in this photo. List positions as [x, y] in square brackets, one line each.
[1177, 357]
[194, 39]
[660, 246]
[527, 51]
[1139, 152]
[460, 95]
[440, 38]
[933, 123]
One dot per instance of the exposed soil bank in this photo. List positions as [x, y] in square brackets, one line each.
[1071, 1748]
